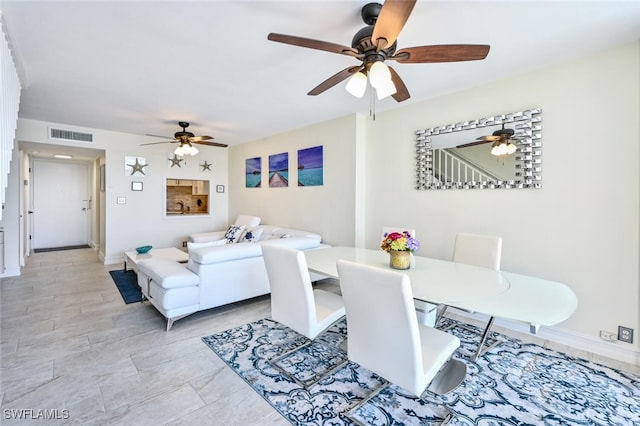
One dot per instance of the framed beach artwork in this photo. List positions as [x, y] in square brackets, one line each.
[310, 166]
[279, 170]
[253, 172]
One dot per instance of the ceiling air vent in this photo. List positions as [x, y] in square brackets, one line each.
[70, 135]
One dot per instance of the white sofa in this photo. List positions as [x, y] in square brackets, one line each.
[216, 274]
[245, 221]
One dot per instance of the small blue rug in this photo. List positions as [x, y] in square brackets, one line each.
[127, 283]
[515, 383]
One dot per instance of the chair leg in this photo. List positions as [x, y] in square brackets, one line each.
[447, 418]
[365, 400]
[307, 383]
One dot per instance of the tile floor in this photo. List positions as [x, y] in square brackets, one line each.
[69, 343]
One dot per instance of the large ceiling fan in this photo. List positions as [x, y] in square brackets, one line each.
[375, 44]
[501, 142]
[186, 140]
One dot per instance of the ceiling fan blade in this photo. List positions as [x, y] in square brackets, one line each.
[314, 44]
[156, 143]
[333, 80]
[222, 145]
[158, 136]
[402, 93]
[442, 53]
[391, 20]
[200, 138]
[466, 145]
[489, 138]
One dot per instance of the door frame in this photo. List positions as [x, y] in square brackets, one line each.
[90, 191]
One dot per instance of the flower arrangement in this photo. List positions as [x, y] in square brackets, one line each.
[399, 241]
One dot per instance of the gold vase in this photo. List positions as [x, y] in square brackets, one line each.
[400, 259]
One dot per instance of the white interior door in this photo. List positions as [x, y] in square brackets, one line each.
[60, 204]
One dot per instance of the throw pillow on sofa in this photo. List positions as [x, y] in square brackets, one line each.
[233, 234]
[251, 235]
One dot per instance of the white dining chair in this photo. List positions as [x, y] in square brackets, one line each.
[426, 312]
[294, 302]
[384, 336]
[478, 250]
[297, 305]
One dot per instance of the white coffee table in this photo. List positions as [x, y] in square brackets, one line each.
[131, 258]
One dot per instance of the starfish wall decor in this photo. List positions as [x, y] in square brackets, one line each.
[133, 165]
[206, 166]
[175, 161]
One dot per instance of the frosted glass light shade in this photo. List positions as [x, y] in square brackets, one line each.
[500, 149]
[385, 90]
[179, 151]
[357, 84]
[379, 74]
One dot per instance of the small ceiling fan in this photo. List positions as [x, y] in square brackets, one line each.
[186, 140]
[376, 43]
[501, 141]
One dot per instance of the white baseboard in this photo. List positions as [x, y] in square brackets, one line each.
[11, 272]
[618, 351]
[111, 260]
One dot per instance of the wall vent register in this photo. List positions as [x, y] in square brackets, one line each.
[70, 135]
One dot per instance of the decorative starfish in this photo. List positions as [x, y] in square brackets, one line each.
[175, 161]
[206, 166]
[137, 167]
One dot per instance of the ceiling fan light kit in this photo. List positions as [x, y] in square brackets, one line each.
[186, 141]
[357, 84]
[503, 147]
[376, 43]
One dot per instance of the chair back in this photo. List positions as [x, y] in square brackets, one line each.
[382, 328]
[292, 301]
[478, 250]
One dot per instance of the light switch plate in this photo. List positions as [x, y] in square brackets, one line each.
[121, 200]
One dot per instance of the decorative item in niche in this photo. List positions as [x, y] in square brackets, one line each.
[175, 160]
[206, 166]
[279, 170]
[253, 173]
[310, 166]
[134, 166]
[458, 156]
[136, 186]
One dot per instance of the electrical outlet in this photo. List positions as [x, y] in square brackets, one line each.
[625, 334]
[608, 336]
[184, 244]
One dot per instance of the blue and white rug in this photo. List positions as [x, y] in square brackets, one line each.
[513, 384]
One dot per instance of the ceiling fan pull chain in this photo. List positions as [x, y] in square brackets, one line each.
[372, 104]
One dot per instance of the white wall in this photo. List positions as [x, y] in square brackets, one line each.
[329, 209]
[141, 220]
[581, 228]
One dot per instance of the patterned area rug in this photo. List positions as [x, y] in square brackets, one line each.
[514, 384]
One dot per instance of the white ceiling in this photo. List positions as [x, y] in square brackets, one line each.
[141, 66]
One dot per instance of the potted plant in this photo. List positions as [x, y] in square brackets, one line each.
[399, 245]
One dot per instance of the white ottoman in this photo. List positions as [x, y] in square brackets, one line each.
[172, 289]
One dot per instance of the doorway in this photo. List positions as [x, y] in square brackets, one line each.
[61, 204]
